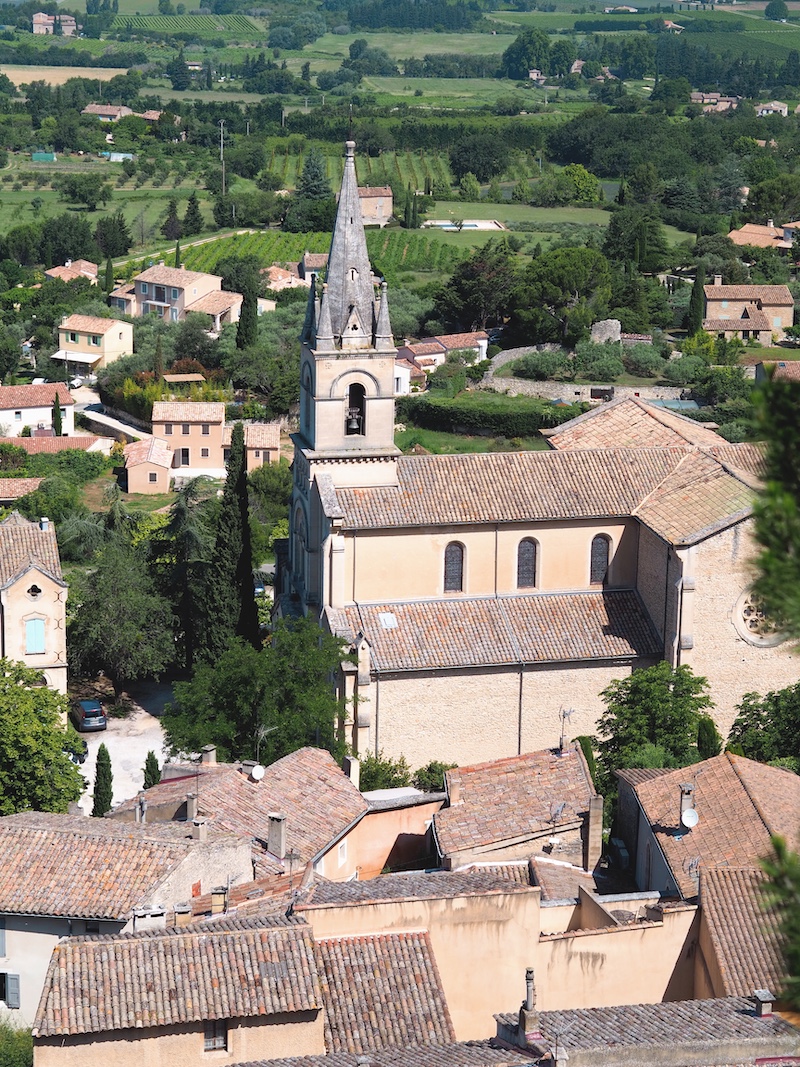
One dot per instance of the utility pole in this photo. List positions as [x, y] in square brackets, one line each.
[222, 151]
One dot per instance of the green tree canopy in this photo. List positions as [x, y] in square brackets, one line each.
[36, 772]
[561, 294]
[768, 728]
[481, 288]
[262, 703]
[531, 50]
[776, 11]
[782, 891]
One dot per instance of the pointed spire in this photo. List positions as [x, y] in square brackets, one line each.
[349, 278]
[325, 341]
[310, 322]
[383, 329]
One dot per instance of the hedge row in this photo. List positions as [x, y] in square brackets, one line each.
[488, 415]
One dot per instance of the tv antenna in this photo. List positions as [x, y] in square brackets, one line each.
[564, 715]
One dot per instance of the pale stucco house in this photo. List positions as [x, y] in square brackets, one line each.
[87, 343]
[173, 293]
[751, 312]
[147, 465]
[32, 406]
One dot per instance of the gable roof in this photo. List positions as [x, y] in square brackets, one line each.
[173, 276]
[265, 435]
[25, 544]
[765, 294]
[34, 396]
[100, 984]
[90, 324]
[511, 799]
[483, 631]
[35, 445]
[629, 422]
[150, 450]
[414, 885]
[93, 868]
[382, 989]
[744, 931]
[308, 786]
[740, 804]
[458, 1054]
[216, 301]
[366, 191]
[188, 411]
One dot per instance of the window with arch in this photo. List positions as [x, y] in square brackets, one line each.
[355, 420]
[526, 563]
[598, 565]
[34, 637]
[454, 568]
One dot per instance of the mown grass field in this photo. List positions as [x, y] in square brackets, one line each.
[441, 443]
[57, 75]
[407, 44]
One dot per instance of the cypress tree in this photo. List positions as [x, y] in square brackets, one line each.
[622, 192]
[57, 426]
[697, 303]
[193, 219]
[151, 771]
[178, 254]
[158, 360]
[171, 227]
[109, 275]
[103, 783]
[247, 328]
[415, 213]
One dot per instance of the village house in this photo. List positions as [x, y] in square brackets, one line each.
[377, 204]
[73, 270]
[108, 112]
[752, 312]
[44, 24]
[33, 599]
[769, 236]
[148, 465]
[88, 343]
[535, 573]
[32, 406]
[432, 352]
[69, 874]
[774, 107]
[172, 293]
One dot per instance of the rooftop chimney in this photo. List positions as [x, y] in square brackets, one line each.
[209, 752]
[688, 815]
[276, 837]
[717, 279]
[528, 1028]
[352, 768]
[200, 830]
[44, 523]
[219, 899]
[140, 811]
[191, 807]
[453, 786]
[764, 1000]
[183, 914]
[771, 223]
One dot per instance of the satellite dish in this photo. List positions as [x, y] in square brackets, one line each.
[257, 773]
[690, 818]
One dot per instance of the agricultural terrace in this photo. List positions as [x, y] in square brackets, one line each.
[197, 25]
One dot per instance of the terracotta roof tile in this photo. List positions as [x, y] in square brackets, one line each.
[512, 872]
[460, 1054]
[150, 451]
[33, 396]
[766, 294]
[14, 488]
[560, 881]
[96, 985]
[88, 324]
[416, 885]
[752, 320]
[745, 932]
[374, 190]
[513, 798]
[462, 340]
[188, 411]
[740, 803]
[215, 302]
[70, 865]
[34, 445]
[476, 632]
[24, 544]
[173, 276]
[631, 423]
[257, 435]
[382, 990]
[785, 369]
[308, 786]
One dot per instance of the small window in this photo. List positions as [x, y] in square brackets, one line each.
[342, 853]
[144, 288]
[175, 294]
[34, 592]
[63, 413]
[526, 564]
[598, 569]
[34, 637]
[216, 1035]
[258, 453]
[454, 568]
[168, 429]
[17, 416]
[205, 429]
[9, 990]
[185, 429]
[152, 476]
[226, 455]
[73, 338]
[204, 453]
[96, 340]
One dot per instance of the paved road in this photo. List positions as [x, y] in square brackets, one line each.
[128, 741]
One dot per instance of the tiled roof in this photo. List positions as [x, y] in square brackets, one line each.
[173, 276]
[513, 798]
[374, 190]
[69, 274]
[512, 872]
[459, 1054]
[637, 775]
[96, 985]
[34, 396]
[71, 865]
[424, 348]
[126, 291]
[631, 423]
[382, 990]
[88, 324]
[188, 411]
[785, 369]
[315, 260]
[740, 803]
[482, 631]
[560, 881]
[414, 886]
[14, 488]
[637, 1026]
[215, 302]
[183, 379]
[34, 445]
[24, 544]
[308, 786]
[150, 451]
[745, 932]
[757, 236]
[766, 294]
[753, 320]
[257, 435]
[462, 340]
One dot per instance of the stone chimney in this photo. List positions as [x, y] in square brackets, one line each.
[191, 807]
[183, 914]
[453, 790]
[352, 768]
[687, 799]
[200, 830]
[44, 523]
[764, 1001]
[528, 1026]
[717, 279]
[209, 754]
[771, 223]
[140, 811]
[219, 899]
[593, 841]
[276, 837]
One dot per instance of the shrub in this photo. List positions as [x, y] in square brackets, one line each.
[430, 778]
[606, 369]
[540, 366]
[382, 772]
[643, 360]
[485, 414]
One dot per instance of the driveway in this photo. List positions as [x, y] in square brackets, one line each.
[128, 741]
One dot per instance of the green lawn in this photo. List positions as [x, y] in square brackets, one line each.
[441, 443]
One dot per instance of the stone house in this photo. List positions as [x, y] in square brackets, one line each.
[172, 293]
[73, 270]
[538, 577]
[68, 874]
[758, 312]
[108, 112]
[32, 406]
[43, 24]
[33, 599]
[87, 343]
[377, 204]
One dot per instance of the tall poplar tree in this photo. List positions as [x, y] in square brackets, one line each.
[103, 783]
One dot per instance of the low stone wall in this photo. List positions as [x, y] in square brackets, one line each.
[573, 393]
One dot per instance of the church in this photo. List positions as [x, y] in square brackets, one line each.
[489, 598]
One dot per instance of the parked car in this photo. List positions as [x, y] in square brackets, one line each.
[88, 715]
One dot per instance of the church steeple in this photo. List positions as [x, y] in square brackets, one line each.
[349, 278]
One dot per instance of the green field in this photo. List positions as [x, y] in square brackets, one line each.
[199, 25]
[407, 44]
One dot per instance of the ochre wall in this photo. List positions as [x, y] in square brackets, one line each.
[50, 605]
[399, 838]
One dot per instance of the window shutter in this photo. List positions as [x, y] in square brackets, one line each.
[2, 935]
[12, 990]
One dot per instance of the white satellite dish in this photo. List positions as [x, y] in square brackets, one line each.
[690, 818]
[257, 773]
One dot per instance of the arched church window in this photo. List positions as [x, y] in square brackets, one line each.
[526, 564]
[299, 543]
[356, 411]
[307, 399]
[598, 566]
[454, 568]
